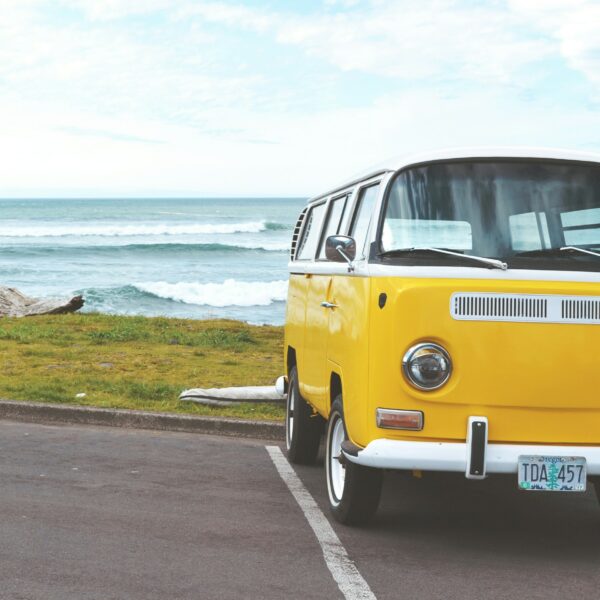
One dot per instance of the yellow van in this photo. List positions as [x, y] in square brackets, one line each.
[443, 315]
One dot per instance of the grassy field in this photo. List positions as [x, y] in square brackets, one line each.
[137, 362]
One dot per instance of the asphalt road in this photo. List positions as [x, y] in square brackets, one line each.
[125, 514]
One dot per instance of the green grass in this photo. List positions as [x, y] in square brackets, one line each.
[137, 362]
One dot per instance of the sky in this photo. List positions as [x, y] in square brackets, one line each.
[280, 98]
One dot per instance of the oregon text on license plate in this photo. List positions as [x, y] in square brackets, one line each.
[552, 473]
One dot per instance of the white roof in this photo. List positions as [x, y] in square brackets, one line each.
[395, 164]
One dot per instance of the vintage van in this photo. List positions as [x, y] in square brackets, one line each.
[444, 315]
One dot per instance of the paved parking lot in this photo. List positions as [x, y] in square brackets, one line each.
[122, 514]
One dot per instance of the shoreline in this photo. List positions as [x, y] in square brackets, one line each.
[196, 258]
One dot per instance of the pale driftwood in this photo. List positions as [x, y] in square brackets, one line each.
[232, 395]
[15, 304]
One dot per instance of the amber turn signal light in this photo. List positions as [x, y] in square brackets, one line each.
[388, 418]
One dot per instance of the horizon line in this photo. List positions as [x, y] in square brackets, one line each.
[4, 198]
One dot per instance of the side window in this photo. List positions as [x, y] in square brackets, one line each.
[362, 216]
[312, 229]
[334, 218]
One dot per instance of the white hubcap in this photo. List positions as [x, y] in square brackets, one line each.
[291, 405]
[337, 471]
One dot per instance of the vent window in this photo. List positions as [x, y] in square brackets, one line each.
[296, 234]
[311, 233]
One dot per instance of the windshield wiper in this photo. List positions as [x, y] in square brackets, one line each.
[577, 249]
[491, 263]
[556, 251]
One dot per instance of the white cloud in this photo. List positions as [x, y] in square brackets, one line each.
[342, 3]
[441, 38]
[154, 74]
[106, 104]
[488, 42]
[574, 24]
[408, 40]
[234, 15]
[106, 10]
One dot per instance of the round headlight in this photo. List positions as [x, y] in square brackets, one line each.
[427, 366]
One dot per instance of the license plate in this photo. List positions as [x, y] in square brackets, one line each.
[552, 473]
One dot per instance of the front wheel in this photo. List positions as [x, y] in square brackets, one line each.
[353, 490]
[596, 483]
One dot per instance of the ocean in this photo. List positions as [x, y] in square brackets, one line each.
[192, 258]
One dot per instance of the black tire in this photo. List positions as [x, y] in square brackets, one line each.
[353, 493]
[303, 427]
[595, 481]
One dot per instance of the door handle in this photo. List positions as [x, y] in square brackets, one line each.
[326, 304]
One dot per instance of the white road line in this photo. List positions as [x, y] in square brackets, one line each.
[344, 571]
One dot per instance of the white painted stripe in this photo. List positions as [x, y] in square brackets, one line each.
[344, 571]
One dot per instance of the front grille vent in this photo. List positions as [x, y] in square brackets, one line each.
[583, 310]
[492, 305]
[525, 308]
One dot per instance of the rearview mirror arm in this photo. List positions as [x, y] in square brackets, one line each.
[340, 249]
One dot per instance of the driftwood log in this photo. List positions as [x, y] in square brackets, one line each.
[232, 395]
[15, 304]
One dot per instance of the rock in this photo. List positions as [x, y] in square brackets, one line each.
[15, 304]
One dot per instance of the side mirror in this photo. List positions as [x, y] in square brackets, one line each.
[340, 248]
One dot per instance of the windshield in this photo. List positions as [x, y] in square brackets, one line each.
[518, 211]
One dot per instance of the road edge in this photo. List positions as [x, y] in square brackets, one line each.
[67, 414]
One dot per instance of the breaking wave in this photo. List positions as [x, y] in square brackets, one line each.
[162, 248]
[116, 230]
[229, 293]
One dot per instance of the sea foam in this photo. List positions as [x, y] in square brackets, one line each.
[229, 293]
[139, 229]
[163, 247]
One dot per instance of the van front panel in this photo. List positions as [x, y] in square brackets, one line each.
[536, 381]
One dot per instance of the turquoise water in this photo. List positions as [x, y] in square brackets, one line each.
[195, 258]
